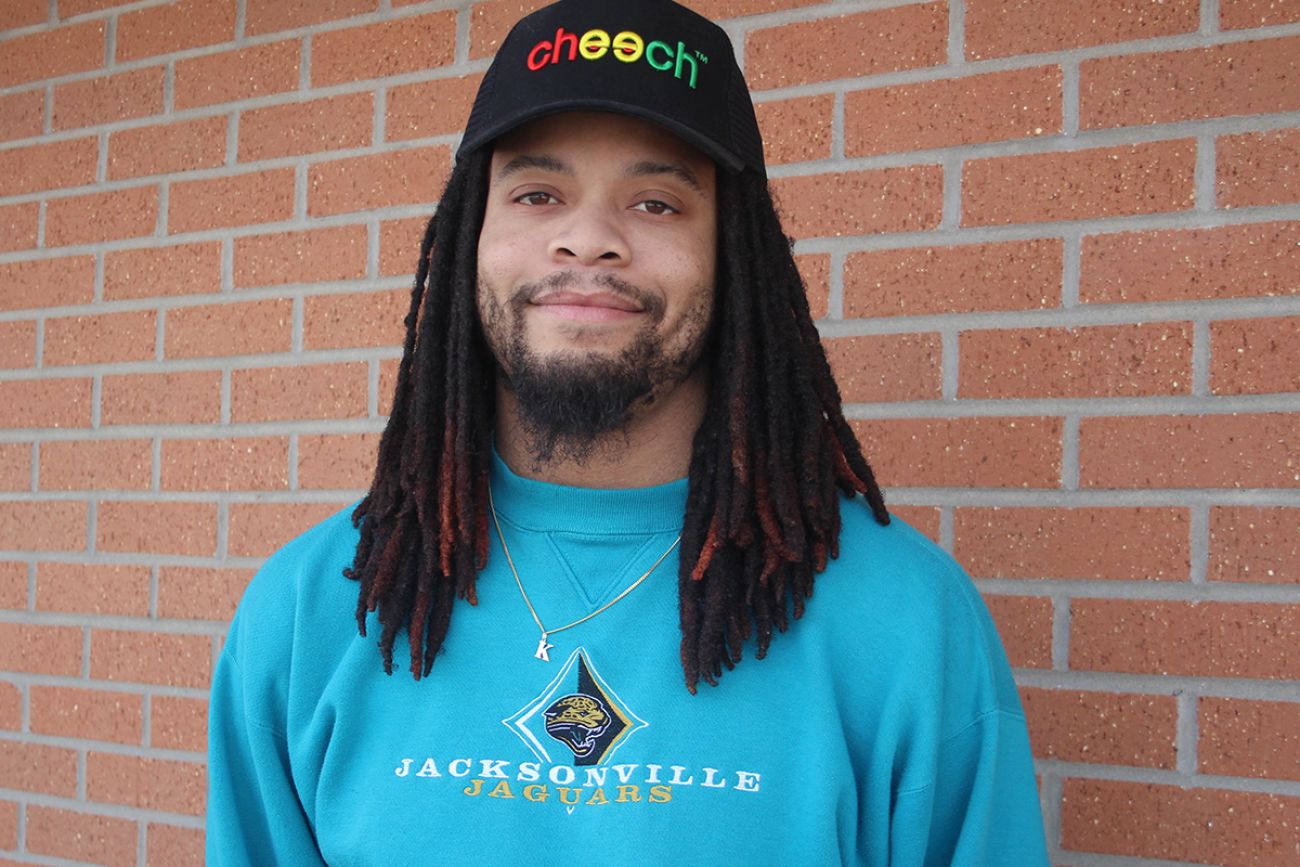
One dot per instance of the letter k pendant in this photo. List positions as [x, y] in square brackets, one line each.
[542, 648]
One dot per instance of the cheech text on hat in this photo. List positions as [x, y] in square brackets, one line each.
[653, 59]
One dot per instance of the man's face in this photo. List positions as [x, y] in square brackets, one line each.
[596, 269]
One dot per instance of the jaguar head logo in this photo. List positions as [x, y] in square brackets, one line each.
[578, 721]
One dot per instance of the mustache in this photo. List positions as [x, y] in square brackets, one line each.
[648, 301]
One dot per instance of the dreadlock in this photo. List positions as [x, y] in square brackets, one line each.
[767, 467]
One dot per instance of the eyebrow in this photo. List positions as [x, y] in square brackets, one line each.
[642, 169]
[648, 168]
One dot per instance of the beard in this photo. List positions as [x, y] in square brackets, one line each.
[571, 402]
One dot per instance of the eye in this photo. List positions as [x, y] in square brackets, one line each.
[536, 197]
[656, 207]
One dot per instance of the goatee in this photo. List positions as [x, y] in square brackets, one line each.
[570, 403]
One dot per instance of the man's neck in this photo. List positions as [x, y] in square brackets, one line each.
[655, 448]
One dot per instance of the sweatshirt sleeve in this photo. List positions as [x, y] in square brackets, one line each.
[982, 807]
[254, 812]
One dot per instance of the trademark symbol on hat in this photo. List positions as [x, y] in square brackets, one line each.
[702, 56]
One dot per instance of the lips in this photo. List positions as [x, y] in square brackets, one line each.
[603, 300]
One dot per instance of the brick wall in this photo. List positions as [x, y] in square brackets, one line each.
[1054, 246]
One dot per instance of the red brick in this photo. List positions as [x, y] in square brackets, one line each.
[18, 225]
[22, 115]
[1198, 639]
[1025, 626]
[1239, 14]
[179, 723]
[429, 108]
[40, 649]
[1098, 361]
[387, 384]
[323, 391]
[490, 21]
[887, 40]
[1255, 356]
[1080, 543]
[148, 784]
[1261, 168]
[99, 217]
[408, 177]
[815, 271]
[1206, 826]
[230, 329]
[48, 166]
[268, 16]
[93, 589]
[15, 466]
[54, 525]
[331, 123]
[1255, 544]
[1011, 275]
[1018, 104]
[336, 461]
[106, 338]
[963, 452]
[245, 73]
[1100, 182]
[922, 518]
[345, 321]
[796, 130]
[17, 344]
[903, 199]
[413, 44]
[151, 657]
[190, 397]
[167, 148]
[194, 593]
[311, 256]
[175, 27]
[87, 465]
[52, 53]
[126, 95]
[720, 9]
[891, 367]
[23, 13]
[11, 719]
[1221, 80]
[998, 28]
[38, 768]
[45, 403]
[259, 529]
[158, 528]
[13, 587]
[1213, 451]
[399, 246]
[180, 269]
[92, 714]
[237, 200]
[8, 825]
[1249, 738]
[46, 283]
[240, 464]
[82, 836]
[1258, 259]
[172, 846]
[1105, 727]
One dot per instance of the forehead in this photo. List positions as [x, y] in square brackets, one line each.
[600, 136]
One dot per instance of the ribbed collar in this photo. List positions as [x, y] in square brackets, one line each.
[543, 506]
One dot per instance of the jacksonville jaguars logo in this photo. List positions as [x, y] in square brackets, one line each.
[579, 711]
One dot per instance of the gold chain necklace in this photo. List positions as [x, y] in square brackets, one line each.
[542, 646]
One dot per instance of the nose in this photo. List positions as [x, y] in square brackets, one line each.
[590, 236]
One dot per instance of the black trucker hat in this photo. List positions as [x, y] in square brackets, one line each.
[653, 59]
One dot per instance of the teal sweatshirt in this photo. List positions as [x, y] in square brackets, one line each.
[882, 729]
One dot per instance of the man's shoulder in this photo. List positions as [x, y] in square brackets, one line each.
[303, 576]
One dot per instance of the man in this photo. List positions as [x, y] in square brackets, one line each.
[611, 377]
